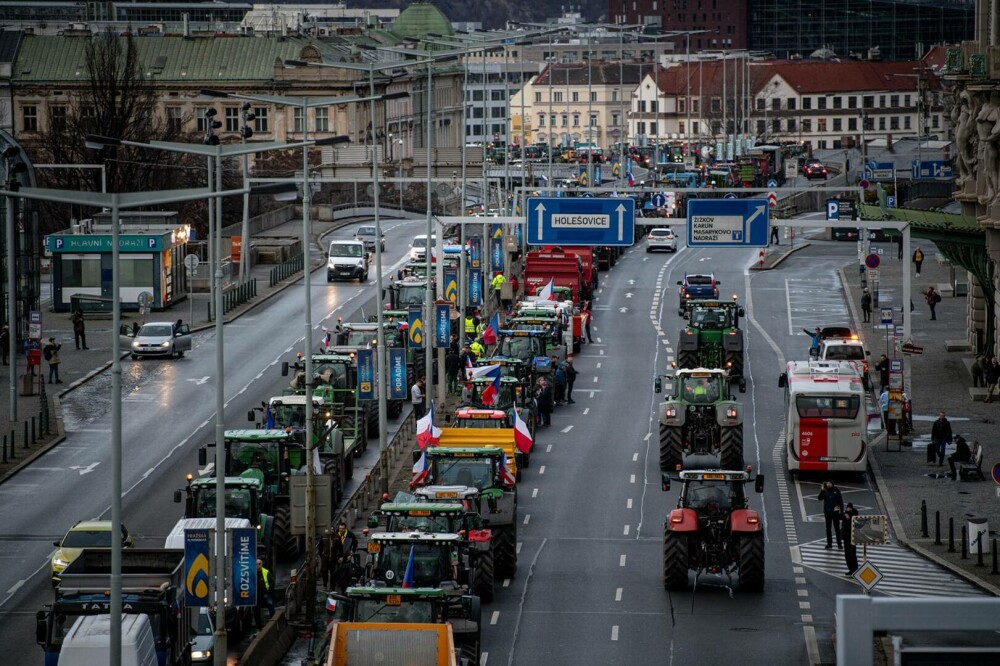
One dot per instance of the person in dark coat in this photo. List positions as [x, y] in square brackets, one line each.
[79, 329]
[833, 507]
[545, 402]
[991, 375]
[962, 454]
[452, 366]
[883, 372]
[866, 305]
[5, 344]
[850, 550]
[940, 436]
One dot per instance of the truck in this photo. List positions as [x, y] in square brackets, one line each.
[588, 260]
[152, 585]
[713, 530]
[699, 417]
[418, 644]
[492, 473]
[713, 338]
[561, 267]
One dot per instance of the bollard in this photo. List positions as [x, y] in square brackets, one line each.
[923, 518]
[255, 287]
[951, 535]
[979, 552]
[208, 311]
[5, 449]
[25, 434]
[937, 528]
[34, 438]
[995, 570]
[13, 449]
[965, 545]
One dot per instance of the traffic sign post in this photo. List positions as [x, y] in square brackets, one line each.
[581, 221]
[728, 222]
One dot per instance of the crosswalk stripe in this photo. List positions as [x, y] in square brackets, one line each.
[906, 573]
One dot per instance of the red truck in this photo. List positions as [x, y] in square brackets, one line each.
[564, 268]
[588, 257]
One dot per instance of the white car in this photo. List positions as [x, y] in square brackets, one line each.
[157, 338]
[661, 238]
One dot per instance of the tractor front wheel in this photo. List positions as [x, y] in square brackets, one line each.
[752, 562]
[482, 583]
[671, 451]
[675, 560]
[286, 544]
[505, 550]
[687, 359]
[731, 447]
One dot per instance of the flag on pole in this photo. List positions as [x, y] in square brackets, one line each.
[545, 293]
[491, 330]
[469, 368]
[491, 394]
[408, 577]
[427, 433]
[505, 476]
[522, 435]
[420, 470]
[268, 418]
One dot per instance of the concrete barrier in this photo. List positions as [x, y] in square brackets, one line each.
[271, 643]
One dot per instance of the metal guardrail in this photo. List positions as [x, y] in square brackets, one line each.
[238, 295]
[285, 270]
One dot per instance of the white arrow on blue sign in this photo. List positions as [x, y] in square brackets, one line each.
[659, 200]
[581, 221]
[728, 222]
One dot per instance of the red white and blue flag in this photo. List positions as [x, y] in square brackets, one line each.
[491, 330]
[505, 476]
[545, 293]
[631, 178]
[408, 578]
[522, 435]
[427, 433]
[420, 470]
[469, 368]
[491, 393]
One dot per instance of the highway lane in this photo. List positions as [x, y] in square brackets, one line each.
[168, 412]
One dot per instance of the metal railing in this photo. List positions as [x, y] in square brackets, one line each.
[285, 270]
[235, 296]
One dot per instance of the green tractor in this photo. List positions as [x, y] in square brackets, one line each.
[272, 456]
[484, 469]
[419, 605]
[699, 416]
[244, 499]
[335, 380]
[712, 338]
[476, 551]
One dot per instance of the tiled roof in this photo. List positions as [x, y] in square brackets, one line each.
[601, 74]
[50, 58]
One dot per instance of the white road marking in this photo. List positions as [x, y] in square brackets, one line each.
[17, 586]
[595, 380]
[534, 493]
[598, 366]
[621, 561]
[802, 593]
[648, 435]
[628, 504]
[527, 518]
[618, 594]
[495, 617]
[541, 470]
[87, 469]
[635, 457]
[631, 478]
[200, 381]
[518, 548]
[614, 633]
[566, 429]
[625, 531]
[548, 449]
[506, 582]
[586, 410]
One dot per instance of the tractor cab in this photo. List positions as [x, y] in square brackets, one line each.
[480, 468]
[470, 417]
[508, 396]
[432, 558]
[270, 455]
[243, 497]
[523, 345]
[407, 292]
[427, 517]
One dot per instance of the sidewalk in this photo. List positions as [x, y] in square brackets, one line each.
[940, 380]
[77, 367]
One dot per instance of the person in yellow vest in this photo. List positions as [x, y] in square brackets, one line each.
[470, 327]
[477, 348]
[497, 283]
[263, 594]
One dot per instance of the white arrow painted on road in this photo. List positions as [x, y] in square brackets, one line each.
[541, 215]
[628, 294]
[199, 382]
[623, 310]
[705, 259]
[631, 281]
[621, 221]
[85, 470]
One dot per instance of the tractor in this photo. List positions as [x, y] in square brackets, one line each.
[713, 531]
[712, 338]
[335, 379]
[699, 416]
[476, 551]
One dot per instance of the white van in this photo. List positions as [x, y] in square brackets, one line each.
[88, 642]
[347, 260]
[418, 248]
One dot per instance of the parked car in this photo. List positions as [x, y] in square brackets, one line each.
[661, 238]
[814, 169]
[157, 338]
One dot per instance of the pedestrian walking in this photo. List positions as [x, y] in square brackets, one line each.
[544, 399]
[571, 374]
[883, 403]
[5, 344]
[79, 329]
[263, 595]
[417, 399]
[932, 298]
[992, 376]
[962, 454]
[883, 372]
[847, 532]
[940, 436]
[51, 354]
[497, 285]
[588, 317]
[866, 305]
[918, 259]
[452, 366]
[774, 236]
[833, 506]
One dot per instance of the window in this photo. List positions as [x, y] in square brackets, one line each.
[807, 125]
[576, 120]
[761, 103]
[791, 124]
[761, 127]
[790, 103]
[538, 97]
[906, 101]
[716, 105]
[496, 95]
[298, 121]
[202, 120]
[695, 104]
[868, 101]
[653, 106]
[682, 105]
[614, 119]
[593, 97]
[822, 145]
[323, 119]
[894, 101]
[497, 112]
[136, 271]
[478, 111]
[852, 102]
[694, 127]
[541, 120]
[642, 106]
[838, 102]
[642, 127]
[552, 120]
[29, 118]
[477, 96]
[261, 124]
[807, 103]
[57, 117]
[852, 124]
[614, 95]
[821, 124]
[894, 123]
[881, 123]
[680, 126]
[776, 125]
[175, 118]
[81, 272]
[776, 104]
[565, 120]
[837, 124]
[881, 101]
[934, 121]
[232, 119]
[557, 96]
[821, 102]
[906, 122]
[652, 128]
[575, 97]
[593, 120]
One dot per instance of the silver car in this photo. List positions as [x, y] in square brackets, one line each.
[157, 338]
[661, 239]
[367, 234]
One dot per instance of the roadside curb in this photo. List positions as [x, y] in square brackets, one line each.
[885, 496]
[38, 453]
[769, 266]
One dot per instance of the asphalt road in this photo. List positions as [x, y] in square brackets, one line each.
[168, 412]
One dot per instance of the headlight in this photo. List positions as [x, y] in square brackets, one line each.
[201, 654]
[165, 344]
[59, 562]
[135, 343]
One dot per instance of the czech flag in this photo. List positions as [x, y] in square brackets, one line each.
[490, 332]
[545, 293]
[631, 179]
[408, 579]
[420, 470]
[505, 475]
[491, 394]
[469, 368]
[427, 433]
[522, 435]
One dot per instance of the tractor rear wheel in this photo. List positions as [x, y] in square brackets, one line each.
[286, 544]
[505, 551]
[470, 651]
[331, 469]
[675, 560]
[671, 451]
[752, 562]
[736, 358]
[482, 582]
[731, 447]
[371, 413]
[687, 359]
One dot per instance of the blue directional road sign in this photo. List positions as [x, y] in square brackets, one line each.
[728, 222]
[580, 221]
[659, 200]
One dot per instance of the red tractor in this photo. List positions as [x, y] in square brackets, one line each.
[712, 530]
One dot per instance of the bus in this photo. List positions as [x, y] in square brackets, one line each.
[825, 417]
